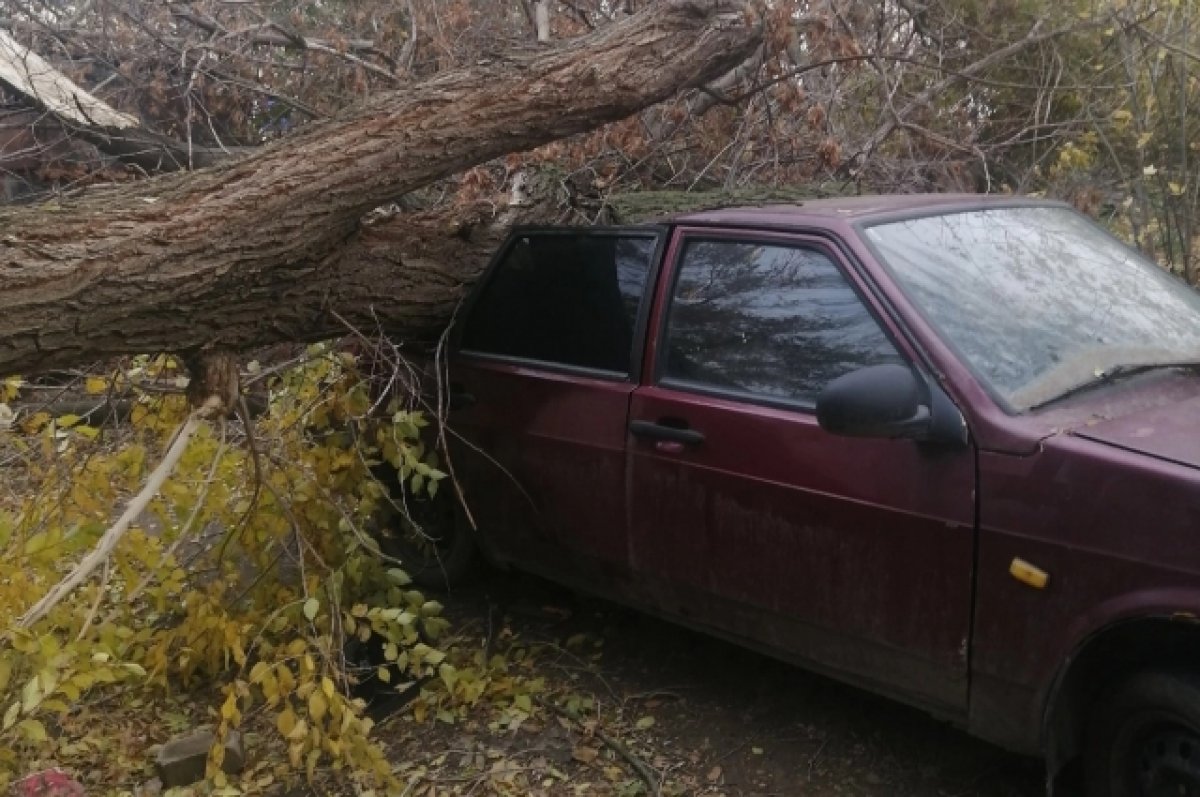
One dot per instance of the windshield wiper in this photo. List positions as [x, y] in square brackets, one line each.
[1109, 375]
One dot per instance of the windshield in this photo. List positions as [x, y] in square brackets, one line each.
[1038, 300]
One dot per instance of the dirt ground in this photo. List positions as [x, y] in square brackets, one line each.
[697, 715]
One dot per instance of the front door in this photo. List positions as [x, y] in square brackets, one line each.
[542, 378]
[852, 555]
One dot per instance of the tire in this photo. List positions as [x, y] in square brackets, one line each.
[1143, 738]
[430, 537]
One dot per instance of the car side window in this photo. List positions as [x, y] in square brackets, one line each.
[765, 320]
[567, 299]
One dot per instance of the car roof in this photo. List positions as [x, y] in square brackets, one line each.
[854, 208]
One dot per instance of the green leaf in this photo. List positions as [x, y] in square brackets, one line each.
[644, 723]
[311, 607]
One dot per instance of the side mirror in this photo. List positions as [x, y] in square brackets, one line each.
[889, 401]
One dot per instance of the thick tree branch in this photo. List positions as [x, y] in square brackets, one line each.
[251, 252]
[27, 73]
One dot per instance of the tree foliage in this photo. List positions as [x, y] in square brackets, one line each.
[253, 589]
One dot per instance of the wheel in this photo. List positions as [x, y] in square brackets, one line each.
[1144, 738]
[430, 537]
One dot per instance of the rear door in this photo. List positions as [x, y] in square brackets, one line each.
[546, 364]
[851, 554]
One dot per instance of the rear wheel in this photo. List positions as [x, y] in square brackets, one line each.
[430, 537]
[1144, 739]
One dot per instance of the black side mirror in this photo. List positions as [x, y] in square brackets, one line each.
[889, 401]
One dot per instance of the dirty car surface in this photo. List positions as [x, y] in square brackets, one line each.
[942, 447]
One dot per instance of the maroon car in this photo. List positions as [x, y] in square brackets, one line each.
[943, 447]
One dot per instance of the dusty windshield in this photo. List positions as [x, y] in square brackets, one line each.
[1038, 300]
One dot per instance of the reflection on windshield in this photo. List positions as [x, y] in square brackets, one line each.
[1038, 300]
[773, 321]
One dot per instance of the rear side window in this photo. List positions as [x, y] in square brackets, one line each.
[776, 322]
[568, 299]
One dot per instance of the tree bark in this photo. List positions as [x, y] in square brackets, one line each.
[272, 247]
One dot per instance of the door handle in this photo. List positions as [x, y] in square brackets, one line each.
[658, 431]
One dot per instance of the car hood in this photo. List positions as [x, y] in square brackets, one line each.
[1170, 431]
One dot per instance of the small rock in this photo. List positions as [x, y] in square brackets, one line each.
[181, 761]
[48, 783]
[151, 788]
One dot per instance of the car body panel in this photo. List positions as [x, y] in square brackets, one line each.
[1062, 511]
[854, 553]
[543, 446]
[1168, 431]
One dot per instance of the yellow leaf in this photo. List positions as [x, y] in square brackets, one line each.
[11, 715]
[49, 680]
[36, 543]
[35, 423]
[10, 387]
[327, 687]
[298, 731]
[32, 730]
[270, 688]
[31, 695]
[287, 681]
[285, 722]
[95, 384]
[90, 432]
[384, 675]
[259, 671]
[317, 706]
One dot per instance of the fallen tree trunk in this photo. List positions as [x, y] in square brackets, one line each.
[271, 247]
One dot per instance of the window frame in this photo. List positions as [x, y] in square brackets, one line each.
[684, 238]
[656, 233]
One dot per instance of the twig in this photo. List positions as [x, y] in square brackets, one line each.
[644, 770]
[186, 528]
[110, 538]
[91, 615]
[812, 762]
